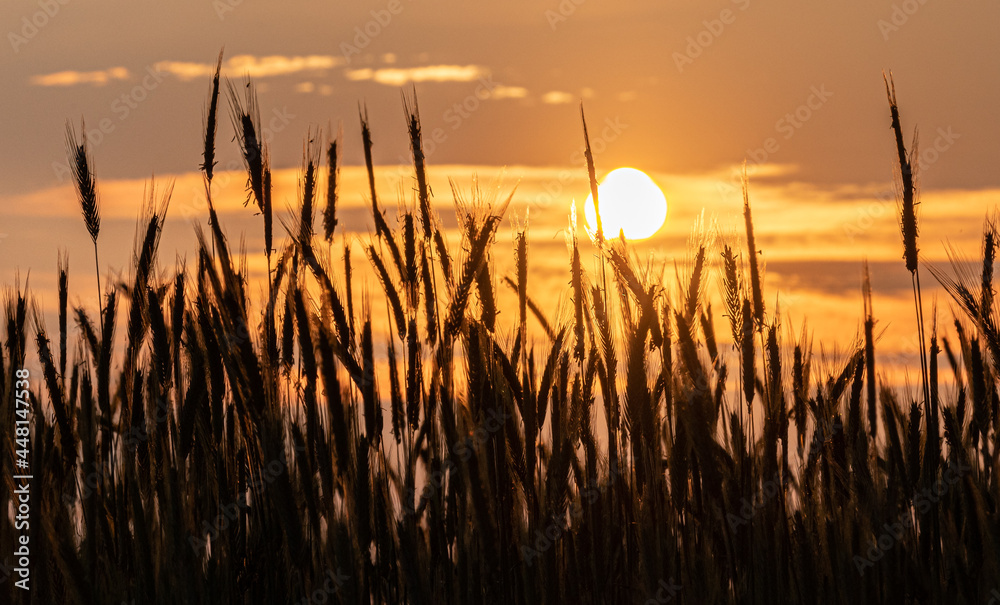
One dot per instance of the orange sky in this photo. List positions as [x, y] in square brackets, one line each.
[813, 239]
[684, 90]
[698, 85]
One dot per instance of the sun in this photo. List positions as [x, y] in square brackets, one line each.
[631, 203]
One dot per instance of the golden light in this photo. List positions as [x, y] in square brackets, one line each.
[631, 203]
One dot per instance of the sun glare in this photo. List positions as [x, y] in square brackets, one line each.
[631, 203]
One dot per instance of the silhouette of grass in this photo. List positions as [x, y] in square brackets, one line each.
[211, 461]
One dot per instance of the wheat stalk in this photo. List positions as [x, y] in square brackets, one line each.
[86, 188]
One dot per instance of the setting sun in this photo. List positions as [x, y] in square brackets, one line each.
[631, 203]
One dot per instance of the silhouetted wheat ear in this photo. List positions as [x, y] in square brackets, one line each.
[747, 352]
[592, 175]
[732, 291]
[522, 279]
[409, 276]
[246, 123]
[308, 188]
[870, 352]
[908, 223]
[430, 297]
[288, 332]
[419, 163]
[63, 300]
[86, 187]
[332, 177]
[579, 294]
[55, 391]
[799, 385]
[391, 293]
[989, 255]
[478, 248]
[396, 411]
[211, 122]
[932, 446]
[908, 219]
[268, 216]
[695, 286]
[755, 281]
[348, 291]
[381, 227]
[487, 302]
[86, 182]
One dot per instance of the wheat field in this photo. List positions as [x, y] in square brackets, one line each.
[242, 449]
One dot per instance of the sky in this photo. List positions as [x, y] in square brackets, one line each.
[686, 91]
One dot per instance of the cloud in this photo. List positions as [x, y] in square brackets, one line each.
[257, 67]
[555, 97]
[360, 74]
[508, 92]
[395, 76]
[72, 78]
[305, 87]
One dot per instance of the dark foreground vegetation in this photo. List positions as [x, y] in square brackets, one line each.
[241, 451]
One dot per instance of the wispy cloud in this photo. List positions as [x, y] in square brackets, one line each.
[73, 78]
[257, 67]
[360, 74]
[240, 65]
[395, 76]
[508, 92]
[556, 97]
